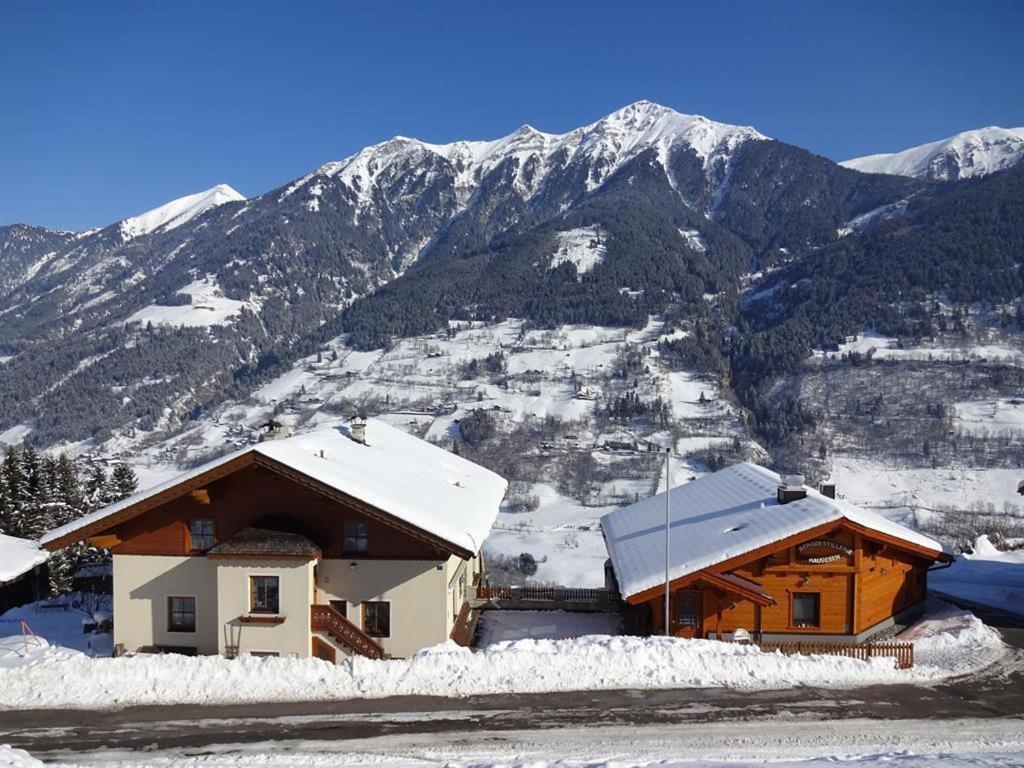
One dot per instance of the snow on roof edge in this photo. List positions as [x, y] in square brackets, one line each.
[19, 556]
[469, 503]
[816, 509]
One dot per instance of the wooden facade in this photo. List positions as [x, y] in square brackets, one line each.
[259, 495]
[857, 579]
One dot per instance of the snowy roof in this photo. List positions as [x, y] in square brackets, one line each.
[718, 517]
[18, 557]
[410, 479]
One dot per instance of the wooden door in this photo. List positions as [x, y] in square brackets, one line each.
[322, 650]
[687, 613]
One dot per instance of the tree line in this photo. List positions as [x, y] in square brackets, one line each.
[39, 493]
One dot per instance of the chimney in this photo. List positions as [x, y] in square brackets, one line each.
[275, 430]
[358, 425]
[828, 490]
[791, 489]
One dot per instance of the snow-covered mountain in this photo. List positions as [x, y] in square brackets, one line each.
[967, 154]
[177, 212]
[600, 149]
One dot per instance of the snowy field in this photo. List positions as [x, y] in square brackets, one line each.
[208, 307]
[947, 643]
[789, 741]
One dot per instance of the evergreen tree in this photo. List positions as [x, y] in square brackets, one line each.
[97, 490]
[123, 482]
[18, 494]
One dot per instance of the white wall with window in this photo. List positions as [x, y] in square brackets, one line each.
[263, 606]
[404, 598]
[166, 602]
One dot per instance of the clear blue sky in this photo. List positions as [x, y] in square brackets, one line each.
[108, 109]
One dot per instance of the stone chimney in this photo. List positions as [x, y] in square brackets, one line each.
[358, 426]
[275, 430]
[791, 489]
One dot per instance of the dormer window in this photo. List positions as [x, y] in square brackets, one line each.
[200, 535]
[355, 538]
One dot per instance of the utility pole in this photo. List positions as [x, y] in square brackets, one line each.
[668, 521]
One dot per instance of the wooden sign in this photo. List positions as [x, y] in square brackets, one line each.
[823, 551]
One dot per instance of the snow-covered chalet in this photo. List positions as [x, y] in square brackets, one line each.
[750, 550]
[353, 540]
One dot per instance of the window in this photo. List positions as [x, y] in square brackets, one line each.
[181, 614]
[356, 539]
[263, 594]
[341, 606]
[806, 607]
[200, 534]
[377, 619]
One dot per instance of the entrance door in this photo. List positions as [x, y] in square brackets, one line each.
[687, 612]
[322, 650]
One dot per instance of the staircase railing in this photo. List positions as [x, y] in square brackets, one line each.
[326, 618]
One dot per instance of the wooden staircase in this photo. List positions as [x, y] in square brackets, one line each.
[326, 618]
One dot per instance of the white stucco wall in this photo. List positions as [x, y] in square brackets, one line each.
[416, 589]
[142, 584]
[293, 636]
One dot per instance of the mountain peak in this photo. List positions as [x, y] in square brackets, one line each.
[966, 154]
[177, 212]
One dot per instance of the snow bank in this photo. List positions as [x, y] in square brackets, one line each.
[17, 758]
[950, 644]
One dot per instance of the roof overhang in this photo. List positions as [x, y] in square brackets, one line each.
[756, 554]
[248, 459]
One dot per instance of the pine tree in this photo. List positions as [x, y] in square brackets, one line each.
[97, 488]
[18, 493]
[123, 482]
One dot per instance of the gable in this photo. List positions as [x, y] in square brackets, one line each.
[825, 548]
[245, 491]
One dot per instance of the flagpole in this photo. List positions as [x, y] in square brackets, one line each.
[668, 513]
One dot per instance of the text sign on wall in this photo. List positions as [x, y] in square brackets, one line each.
[823, 551]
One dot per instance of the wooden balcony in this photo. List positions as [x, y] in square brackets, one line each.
[325, 618]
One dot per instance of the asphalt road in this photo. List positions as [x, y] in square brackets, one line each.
[997, 692]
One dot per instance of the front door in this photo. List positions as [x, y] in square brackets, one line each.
[322, 650]
[686, 613]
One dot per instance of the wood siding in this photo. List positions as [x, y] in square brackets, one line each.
[862, 583]
[253, 494]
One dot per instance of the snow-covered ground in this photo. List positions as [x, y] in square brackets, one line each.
[506, 626]
[208, 307]
[987, 577]
[58, 622]
[947, 643]
[581, 247]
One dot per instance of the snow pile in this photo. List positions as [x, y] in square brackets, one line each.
[208, 307]
[19, 556]
[177, 212]
[583, 247]
[967, 154]
[950, 644]
[987, 577]
[17, 758]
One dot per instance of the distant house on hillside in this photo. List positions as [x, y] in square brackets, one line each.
[343, 541]
[751, 550]
[24, 577]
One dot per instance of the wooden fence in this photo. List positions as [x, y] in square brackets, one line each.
[902, 652]
[554, 594]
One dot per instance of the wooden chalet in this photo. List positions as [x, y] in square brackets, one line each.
[749, 550]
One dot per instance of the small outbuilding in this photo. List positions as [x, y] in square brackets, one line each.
[24, 576]
[752, 552]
